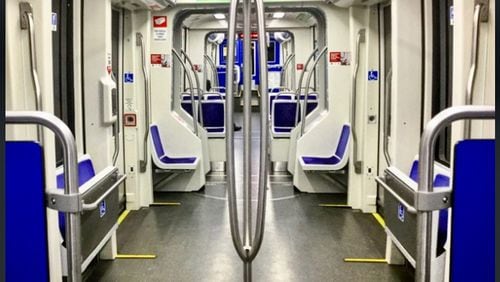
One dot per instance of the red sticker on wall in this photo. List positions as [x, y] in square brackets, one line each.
[300, 66]
[334, 57]
[159, 21]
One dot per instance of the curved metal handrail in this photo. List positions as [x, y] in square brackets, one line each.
[358, 164]
[197, 81]
[147, 101]
[426, 173]
[387, 113]
[190, 82]
[299, 86]
[284, 68]
[70, 163]
[214, 69]
[308, 83]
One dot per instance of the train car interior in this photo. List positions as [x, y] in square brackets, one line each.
[264, 140]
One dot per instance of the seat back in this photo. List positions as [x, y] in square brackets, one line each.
[473, 217]
[283, 116]
[213, 115]
[156, 139]
[25, 212]
[343, 141]
[85, 172]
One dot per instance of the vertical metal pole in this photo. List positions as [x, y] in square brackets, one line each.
[472, 71]
[233, 210]
[264, 125]
[117, 123]
[27, 22]
[247, 141]
[191, 91]
[306, 94]
[147, 116]
[358, 164]
[387, 114]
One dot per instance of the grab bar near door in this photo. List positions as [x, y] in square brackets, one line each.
[306, 95]
[116, 123]
[387, 114]
[27, 22]
[147, 116]
[358, 164]
[480, 15]
[425, 186]
[191, 91]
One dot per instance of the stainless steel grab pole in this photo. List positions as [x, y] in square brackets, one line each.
[299, 87]
[426, 175]
[284, 69]
[358, 164]
[247, 142]
[70, 157]
[27, 22]
[197, 81]
[247, 248]
[264, 125]
[191, 91]
[387, 114]
[214, 69]
[472, 71]
[147, 101]
[306, 94]
[233, 210]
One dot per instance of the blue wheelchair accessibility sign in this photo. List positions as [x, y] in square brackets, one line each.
[401, 212]
[128, 77]
[102, 208]
[372, 75]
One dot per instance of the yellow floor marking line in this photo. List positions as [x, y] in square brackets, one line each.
[166, 204]
[123, 256]
[334, 205]
[379, 219]
[366, 260]
[123, 216]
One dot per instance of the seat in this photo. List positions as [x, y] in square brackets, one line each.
[283, 115]
[162, 160]
[336, 161]
[186, 103]
[213, 116]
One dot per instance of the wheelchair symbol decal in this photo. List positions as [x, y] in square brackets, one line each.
[372, 75]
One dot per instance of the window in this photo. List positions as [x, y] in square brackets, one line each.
[442, 59]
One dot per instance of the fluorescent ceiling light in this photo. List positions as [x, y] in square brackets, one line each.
[278, 15]
[220, 16]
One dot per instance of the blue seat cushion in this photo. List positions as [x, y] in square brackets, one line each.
[155, 134]
[168, 160]
[284, 114]
[321, 160]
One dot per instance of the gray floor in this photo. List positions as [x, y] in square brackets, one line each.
[302, 241]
